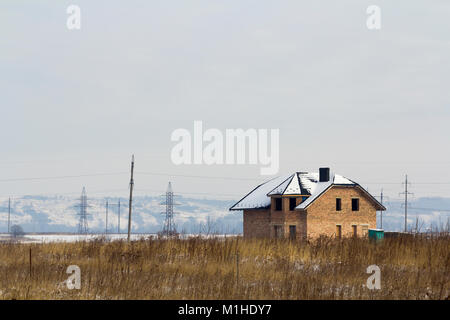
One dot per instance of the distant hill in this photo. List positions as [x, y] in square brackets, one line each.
[425, 212]
[59, 214]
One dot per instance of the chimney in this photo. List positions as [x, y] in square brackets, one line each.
[324, 174]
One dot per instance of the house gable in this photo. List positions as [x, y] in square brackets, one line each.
[323, 217]
[326, 187]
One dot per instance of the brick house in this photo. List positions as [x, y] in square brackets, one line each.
[307, 205]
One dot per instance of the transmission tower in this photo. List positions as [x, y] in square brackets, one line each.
[169, 225]
[82, 222]
[406, 193]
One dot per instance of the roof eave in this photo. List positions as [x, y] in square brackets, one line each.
[240, 209]
[378, 205]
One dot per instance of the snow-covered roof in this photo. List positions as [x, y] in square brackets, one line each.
[298, 183]
[257, 198]
[320, 187]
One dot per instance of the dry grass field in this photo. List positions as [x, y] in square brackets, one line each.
[230, 268]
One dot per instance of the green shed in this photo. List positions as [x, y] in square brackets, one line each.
[376, 234]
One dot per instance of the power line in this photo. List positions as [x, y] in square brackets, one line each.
[193, 193]
[174, 175]
[50, 194]
[61, 177]
[198, 176]
[122, 173]
[141, 191]
[183, 176]
[399, 183]
[431, 209]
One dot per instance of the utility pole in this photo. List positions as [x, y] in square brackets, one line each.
[118, 219]
[131, 198]
[381, 212]
[406, 202]
[9, 214]
[106, 223]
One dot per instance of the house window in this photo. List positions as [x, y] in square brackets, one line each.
[278, 204]
[355, 230]
[355, 204]
[338, 231]
[292, 203]
[338, 204]
[292, 232]
[278, 231]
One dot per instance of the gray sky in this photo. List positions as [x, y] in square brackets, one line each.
[372, 105]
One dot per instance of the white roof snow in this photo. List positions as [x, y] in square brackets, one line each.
[308, 180]
[320, 187]
[282, 187]
[338, 179]
[258, 197]
[305, 183]
[294, 186]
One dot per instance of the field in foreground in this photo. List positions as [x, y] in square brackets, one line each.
[230, 268]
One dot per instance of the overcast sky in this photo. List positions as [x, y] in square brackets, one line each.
[371, 104]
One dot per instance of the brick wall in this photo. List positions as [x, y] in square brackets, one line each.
[323, 217]
[257, 223]
[294, 218]
[261, 223]
[320, 218]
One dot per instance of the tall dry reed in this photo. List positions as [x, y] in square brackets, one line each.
[231, 268]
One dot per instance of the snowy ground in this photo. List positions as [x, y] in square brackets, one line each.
[48, 238]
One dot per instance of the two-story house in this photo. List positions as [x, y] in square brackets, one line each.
[307, 205]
